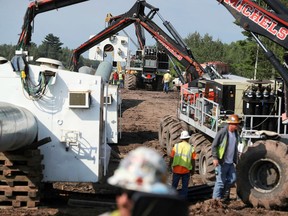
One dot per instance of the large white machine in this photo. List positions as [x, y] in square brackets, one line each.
[69, 107]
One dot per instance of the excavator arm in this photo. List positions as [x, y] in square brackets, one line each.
[258, 20]
[35, 8]
[174, 45]
[272, 24]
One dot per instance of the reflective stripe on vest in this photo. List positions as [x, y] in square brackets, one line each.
[221, 148]
[183, 154]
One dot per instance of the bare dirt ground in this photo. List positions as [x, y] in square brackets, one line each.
[141, 112]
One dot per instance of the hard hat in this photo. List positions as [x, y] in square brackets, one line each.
[233, 119]
[184, 135]
[144, 170]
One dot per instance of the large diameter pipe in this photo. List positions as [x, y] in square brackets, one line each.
[104, 70]
[18, 127]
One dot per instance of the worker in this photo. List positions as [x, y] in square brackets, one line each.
[115, 78]
[182, 158]
[142, 170]
[121, 79]
[166, 80]
[225, 155]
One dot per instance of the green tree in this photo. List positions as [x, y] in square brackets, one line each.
[205, 48]
[240, 55]
[50, 47]
[7, 51]
[65, 57]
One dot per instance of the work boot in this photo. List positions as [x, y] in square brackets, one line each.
[226, 197]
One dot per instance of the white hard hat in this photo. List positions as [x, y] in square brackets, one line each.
[184, 135]
[144, 170]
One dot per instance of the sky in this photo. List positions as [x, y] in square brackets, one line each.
[74, 24]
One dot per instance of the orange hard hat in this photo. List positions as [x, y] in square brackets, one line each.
[233, 119]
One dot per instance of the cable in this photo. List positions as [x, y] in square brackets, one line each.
[34, 91]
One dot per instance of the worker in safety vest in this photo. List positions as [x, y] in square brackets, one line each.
[166, 80]
[225, 155]
[182, 159]
[121, 79]
[143, 170]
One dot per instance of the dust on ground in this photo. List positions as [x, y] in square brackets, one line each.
[141, 114]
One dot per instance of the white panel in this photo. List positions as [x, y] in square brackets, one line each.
[112, 129]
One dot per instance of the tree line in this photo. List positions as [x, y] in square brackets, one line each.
[51, 47]
[241, 56]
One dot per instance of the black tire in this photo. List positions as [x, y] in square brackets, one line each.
[262, 175]
[139, 81]
[206, 167]
[173, 135]
[130, 81]
[198, 140]
[165, 121]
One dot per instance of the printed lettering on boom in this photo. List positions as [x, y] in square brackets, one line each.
[262, 18]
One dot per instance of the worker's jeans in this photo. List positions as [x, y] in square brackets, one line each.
[185, 181]
[225, 178]
[121, 84]
[166, 87]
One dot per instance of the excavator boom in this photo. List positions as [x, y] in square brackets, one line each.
[254, 18]
[272, 24]
[35, 8]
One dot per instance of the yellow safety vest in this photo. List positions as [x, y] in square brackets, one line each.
[221, 148]
[120, 76]
[183, 155]
[167, 77]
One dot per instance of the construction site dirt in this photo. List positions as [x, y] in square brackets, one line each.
[141, 113]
